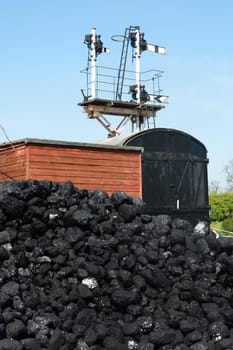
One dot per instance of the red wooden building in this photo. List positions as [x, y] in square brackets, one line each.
[87, 165]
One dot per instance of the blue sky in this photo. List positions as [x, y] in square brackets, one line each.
[42, 54]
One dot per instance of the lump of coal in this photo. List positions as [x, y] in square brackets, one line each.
[81, 270]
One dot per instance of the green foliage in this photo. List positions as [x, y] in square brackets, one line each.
[221, 206]
[227, 224]
[216, 225]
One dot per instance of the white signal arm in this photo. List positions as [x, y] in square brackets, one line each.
[156, 48]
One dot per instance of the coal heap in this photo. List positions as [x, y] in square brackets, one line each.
[81, 270]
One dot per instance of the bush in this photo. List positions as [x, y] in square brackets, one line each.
[227, 224]
[221, 206]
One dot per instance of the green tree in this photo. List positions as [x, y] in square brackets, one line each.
[227, 224]
[221, 206]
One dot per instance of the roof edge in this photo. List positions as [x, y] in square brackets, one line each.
[28, 141]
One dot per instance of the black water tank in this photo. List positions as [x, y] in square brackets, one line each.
[174, 173]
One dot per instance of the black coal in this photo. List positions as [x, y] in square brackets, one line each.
[81, 270]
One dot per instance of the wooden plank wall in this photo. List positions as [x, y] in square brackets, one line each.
[13, 162]
[87, 167]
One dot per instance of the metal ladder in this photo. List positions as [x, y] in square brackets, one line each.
[123, 60]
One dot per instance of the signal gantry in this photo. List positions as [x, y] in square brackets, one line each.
[103, 96]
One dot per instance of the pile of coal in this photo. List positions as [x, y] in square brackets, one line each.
[82, 270]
